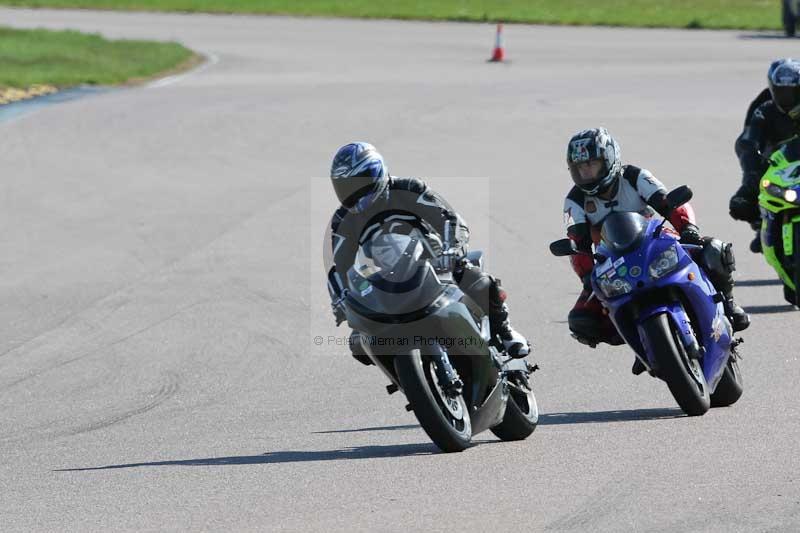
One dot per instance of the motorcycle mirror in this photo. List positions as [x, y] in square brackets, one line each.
[679, 196]
[563, 247]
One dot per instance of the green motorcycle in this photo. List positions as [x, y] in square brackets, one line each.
[779, 199]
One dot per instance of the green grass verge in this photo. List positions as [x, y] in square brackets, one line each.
[743, 14]
[68, 58]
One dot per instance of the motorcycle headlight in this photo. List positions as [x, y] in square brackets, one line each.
[615, 287]
[790, 195]
[664, 263]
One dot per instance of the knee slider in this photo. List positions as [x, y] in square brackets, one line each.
[728, 259]
[718, 257]
[477, 285]
[712, 255]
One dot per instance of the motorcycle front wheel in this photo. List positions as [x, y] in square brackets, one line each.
[444, 418]
[795, 262]
[684, 375]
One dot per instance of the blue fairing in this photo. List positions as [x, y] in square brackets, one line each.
[684, 293]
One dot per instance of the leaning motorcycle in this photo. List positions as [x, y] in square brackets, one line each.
[433, 342]
[779, 200]
[665, 308]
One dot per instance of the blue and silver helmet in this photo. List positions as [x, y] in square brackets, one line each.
[359, 175]
[783, 79]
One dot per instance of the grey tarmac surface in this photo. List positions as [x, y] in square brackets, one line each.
[161, 284]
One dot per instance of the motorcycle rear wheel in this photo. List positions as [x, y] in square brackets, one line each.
[683, 375]
[445, 419]
[729, 389]
[522, 414]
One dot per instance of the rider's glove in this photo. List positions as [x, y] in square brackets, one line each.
[690, 234]
[744, 203]
[743, 209]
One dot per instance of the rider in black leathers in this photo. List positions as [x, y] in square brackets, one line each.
[771, 120]
[368, 194]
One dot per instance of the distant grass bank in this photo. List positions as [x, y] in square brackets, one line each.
[738, 14]
[68, 58]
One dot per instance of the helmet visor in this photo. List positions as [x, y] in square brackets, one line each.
[587, 174]
[359, 204]
[350, 190]
[787, 98]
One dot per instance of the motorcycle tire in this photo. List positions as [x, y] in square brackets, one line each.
[445, 419]
[729, 389]
[522, 414]
[683, 375]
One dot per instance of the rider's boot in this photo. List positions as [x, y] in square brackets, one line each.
[719, 263]
[740, 320]
[755, 244]
[486, 291]
[515, 344]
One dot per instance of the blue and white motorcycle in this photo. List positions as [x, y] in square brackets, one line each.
[665, 308]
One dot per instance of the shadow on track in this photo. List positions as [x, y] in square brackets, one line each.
[758, 282]
[380, 428]
[358, 452]
[554, 419]
[765, 36]
[769, 309]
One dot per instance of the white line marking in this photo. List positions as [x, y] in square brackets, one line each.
[211, 60]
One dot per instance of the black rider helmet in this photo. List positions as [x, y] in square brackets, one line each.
[783, 80]
[359, 175]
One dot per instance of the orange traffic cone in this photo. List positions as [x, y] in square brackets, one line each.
[499, 53]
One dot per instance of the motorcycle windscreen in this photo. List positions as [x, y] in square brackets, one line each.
[392, 276]
[623, 232]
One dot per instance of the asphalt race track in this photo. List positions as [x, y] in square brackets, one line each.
[161, 285]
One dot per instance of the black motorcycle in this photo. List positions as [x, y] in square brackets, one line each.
[433, 342]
